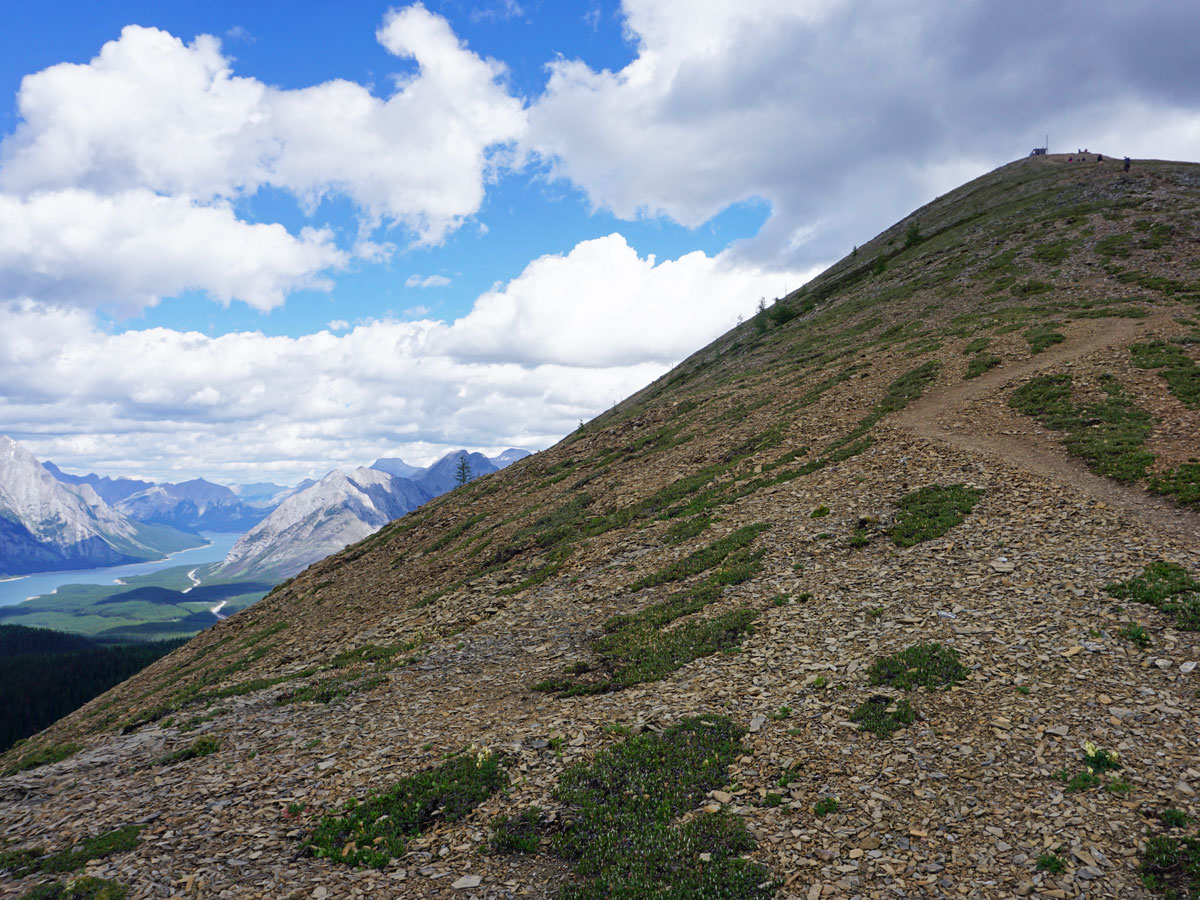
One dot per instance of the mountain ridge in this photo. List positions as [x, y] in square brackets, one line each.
[778, 531]
[339, 509]
[194, 505]
[47, 525]
[342, 508]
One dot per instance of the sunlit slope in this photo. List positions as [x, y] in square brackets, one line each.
[972, 432]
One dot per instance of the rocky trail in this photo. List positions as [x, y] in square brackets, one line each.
[974, 416]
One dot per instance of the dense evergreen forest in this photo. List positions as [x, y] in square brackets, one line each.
[46, 674]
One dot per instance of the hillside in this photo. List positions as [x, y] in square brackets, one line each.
[965, 455]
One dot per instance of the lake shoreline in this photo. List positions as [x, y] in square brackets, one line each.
[44, 584]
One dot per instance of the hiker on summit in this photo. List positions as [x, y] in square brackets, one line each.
[1127, 164]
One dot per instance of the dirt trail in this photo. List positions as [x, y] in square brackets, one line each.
[971, 415]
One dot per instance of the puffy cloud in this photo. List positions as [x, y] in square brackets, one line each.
[521, 369]
[127, 250]
[120, 184]
[150, 112]
[602, 305]
[848, 115]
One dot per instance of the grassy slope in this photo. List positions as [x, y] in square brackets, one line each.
[781, 400]
[721, 409]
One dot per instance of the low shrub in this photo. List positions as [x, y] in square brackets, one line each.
[1040, 337]
[1108, 435]
[86, 888]
[1165, 586]
[1174, 818]
[932, 511]
[621, 837]
[638, 647]
[41, 757]
[1080, 781]
[1178, 369]
[980, 364]
[931, 666]
[826, 806]
[882, 715]
[1136, 635]
[20, 863]
[1052, 863]
[1171, 866]
[517, 834]
[703, 559]
[372, 831]
[202, 746]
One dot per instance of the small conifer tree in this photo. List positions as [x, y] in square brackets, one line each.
[463, 473]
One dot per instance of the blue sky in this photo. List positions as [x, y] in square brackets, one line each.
[295, 45]
[258, 241]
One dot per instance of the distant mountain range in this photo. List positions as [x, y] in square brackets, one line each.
[51, 520]
[339, 509]
[195, 505]
[346, 507]
[111, 490]
[47, 524]
[266, 495]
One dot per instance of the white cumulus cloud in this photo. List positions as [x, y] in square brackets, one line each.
[604, 305]
[567, 338]
[120, 183]
[125, 251]
[847, 115]
[153, 112]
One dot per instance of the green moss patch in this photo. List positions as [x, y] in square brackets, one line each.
[202, 746]
[1108, 435]
[87, 888]
[883, 715]
[931, 666]
[621, 809]
[932, 511]
[1165, 586]
[41, 757]
[372, 831]
[20, 863]
[1180, 372]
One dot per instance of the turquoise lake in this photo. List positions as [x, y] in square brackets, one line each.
[20, 589]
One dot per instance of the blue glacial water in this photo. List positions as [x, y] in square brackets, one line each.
[27, 586]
